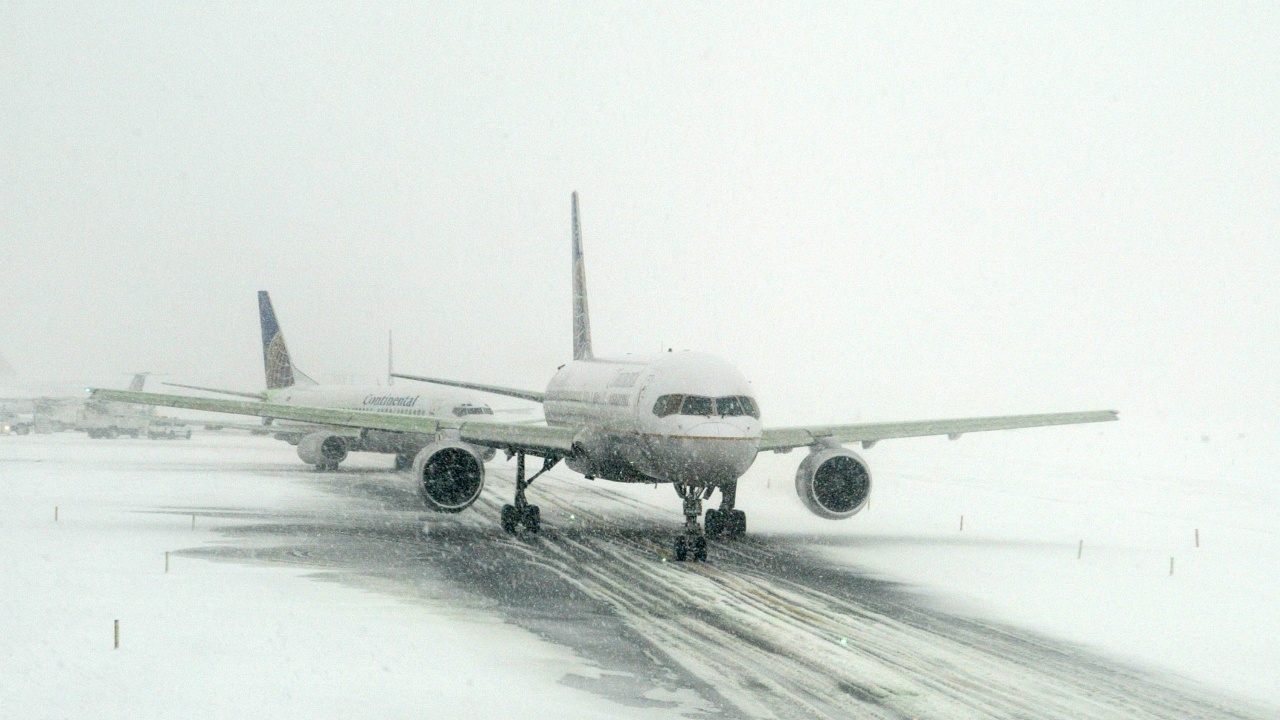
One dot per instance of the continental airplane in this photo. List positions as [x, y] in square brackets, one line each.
[325, 445]
[687, 419]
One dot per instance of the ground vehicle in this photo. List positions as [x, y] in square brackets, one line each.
[102, 420]
[168, 428]
[12, 423]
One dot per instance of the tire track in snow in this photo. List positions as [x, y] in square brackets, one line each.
[764, 630]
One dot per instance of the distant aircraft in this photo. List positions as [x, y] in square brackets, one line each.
[687, 419]
[325, 444]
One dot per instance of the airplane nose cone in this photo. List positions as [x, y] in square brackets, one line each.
[722, 430]
[712, 452]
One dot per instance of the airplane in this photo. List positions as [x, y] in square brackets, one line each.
[326, 445]
[687, 419]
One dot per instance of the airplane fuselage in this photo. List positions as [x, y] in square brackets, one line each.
[430, 403]
[434, 403]
[687, 418]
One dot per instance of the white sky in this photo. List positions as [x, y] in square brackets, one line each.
[879, 212]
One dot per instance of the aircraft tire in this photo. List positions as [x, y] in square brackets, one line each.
[510, 519]
[714, 522]
[700, 548]
[736, 524]
[681, 549]
[532, 518]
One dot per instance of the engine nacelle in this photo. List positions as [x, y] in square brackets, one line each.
[833, 482]
[450, 475]
[322, 449]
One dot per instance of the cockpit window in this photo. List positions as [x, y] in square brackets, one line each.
[667, 405]
[728, 407]
[696, 405]
[732, 406]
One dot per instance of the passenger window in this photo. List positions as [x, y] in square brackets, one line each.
[667, 405]
[695, 405]
[749, 407]
[728, 407]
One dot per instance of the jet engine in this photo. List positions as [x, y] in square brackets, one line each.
[322, 450]
[450, 475]
[833, 482]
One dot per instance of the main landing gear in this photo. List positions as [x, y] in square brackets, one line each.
[522, 513]
[726, 521]
[692, 544]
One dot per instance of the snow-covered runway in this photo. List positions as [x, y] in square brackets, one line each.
[586, 619]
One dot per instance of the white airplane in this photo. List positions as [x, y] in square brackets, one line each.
[324, 445]
[687, 419]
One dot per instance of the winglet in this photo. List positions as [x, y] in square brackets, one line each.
[581, 317]
[139, 379]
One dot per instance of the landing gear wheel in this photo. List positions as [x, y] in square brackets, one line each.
[522, 513]
[714, 523]
[532, 518]
[681, 550]
[693, 539]
[700, 548]
[510, 519]
[735, 524]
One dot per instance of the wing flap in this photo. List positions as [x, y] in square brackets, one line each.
[536, 439]
[786, 438]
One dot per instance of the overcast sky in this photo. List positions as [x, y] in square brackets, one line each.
[878, 212]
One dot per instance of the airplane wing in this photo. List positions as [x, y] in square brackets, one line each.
[785, 438]
[220, 391]
[538, 440]
[533, 395]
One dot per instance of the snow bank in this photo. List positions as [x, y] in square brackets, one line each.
[213, 639]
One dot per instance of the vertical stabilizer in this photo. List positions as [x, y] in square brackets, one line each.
[275, 355]
[581, 317]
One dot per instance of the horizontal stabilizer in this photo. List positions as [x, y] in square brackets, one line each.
[532, 395]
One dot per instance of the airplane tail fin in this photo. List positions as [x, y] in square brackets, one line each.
[281, 372]
[581, 317]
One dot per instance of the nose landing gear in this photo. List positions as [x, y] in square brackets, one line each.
[522, 513]
[693, 541]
